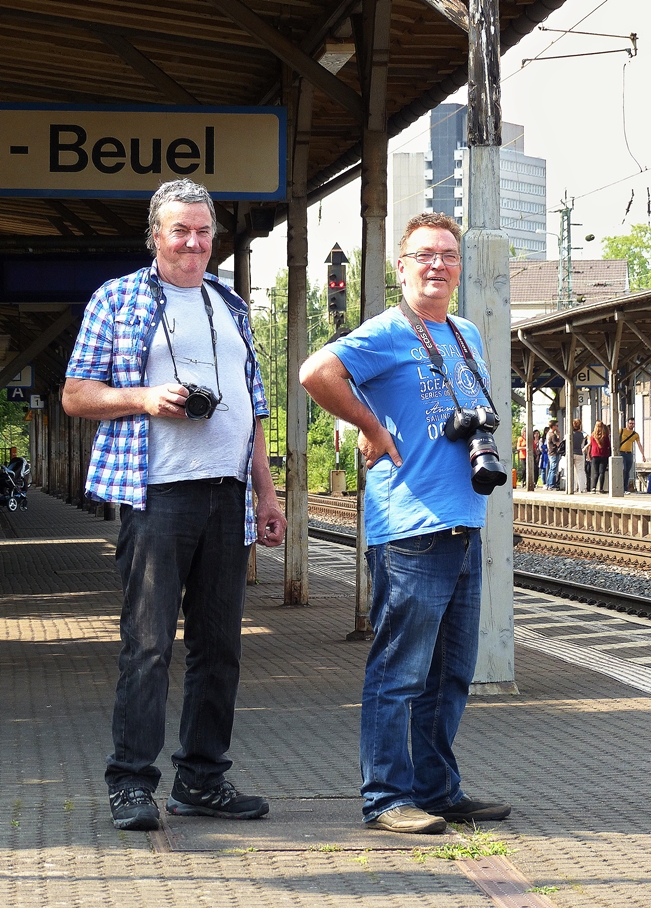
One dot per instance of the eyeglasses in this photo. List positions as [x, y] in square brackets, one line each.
[451, 259]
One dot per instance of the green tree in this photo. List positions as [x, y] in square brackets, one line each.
[636, 249]
[321, 453]
[269, 322]
[14, 432]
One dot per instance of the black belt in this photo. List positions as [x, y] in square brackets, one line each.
[460, 530]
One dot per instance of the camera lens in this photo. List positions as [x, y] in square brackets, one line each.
[487, 471]
[197, 406]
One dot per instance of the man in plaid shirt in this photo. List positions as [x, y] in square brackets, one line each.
[165, 360]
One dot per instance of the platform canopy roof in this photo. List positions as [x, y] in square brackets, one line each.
[218, 53]
[614, 335]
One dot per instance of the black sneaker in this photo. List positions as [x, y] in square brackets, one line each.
[468, 809]
[133, 808]
[221, 801]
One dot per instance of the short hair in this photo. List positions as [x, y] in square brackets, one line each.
[576, 424]
[177, 191]
[553, 422]
[436, 219]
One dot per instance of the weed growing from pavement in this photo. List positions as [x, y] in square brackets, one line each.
[325, 848]
[542, 890]
[68, 805]
[475, 845]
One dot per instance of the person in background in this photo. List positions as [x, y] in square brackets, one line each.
[537, 456]
[544, 460]
[578, 443]
[521, 452]
[627, 438]
[587, 463]
[599, 454]
[553, 441]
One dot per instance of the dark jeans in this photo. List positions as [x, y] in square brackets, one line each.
[627, 458]
[599, 465]
[190, 536]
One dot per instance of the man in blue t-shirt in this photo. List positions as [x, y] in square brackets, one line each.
[422, 526]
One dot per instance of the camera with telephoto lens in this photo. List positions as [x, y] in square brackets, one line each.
[476, 427]
[200, 402]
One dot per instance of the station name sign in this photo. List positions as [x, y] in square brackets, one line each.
[128, 151]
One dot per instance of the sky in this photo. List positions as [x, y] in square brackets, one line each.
[588, 116]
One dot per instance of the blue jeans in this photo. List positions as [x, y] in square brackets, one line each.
[627, 457]
[552, 471]
[190, 536]
[425, 615]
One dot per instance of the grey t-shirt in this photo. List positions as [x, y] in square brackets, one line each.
[181, 449]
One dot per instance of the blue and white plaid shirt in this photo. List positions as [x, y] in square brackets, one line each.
[113, 346]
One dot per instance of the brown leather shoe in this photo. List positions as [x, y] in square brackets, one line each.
[407, 819]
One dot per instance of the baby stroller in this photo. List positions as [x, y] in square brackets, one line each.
[14, 482]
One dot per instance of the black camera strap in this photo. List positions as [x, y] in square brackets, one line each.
[213, 336]
[435, 357]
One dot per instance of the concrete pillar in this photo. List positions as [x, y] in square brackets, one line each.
[484, 299]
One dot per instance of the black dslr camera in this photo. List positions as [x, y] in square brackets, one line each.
[476, 427]
[200, 402]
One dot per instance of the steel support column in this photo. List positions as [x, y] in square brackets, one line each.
[296, 567]
[484, 299]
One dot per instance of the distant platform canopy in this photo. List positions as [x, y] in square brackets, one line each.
[613, 335]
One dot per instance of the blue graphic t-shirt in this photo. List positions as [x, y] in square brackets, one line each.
[391, 373]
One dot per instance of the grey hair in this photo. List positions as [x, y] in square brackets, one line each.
[176, 191]
[433, 219]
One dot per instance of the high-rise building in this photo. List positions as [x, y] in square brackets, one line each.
[445, 165]
[407, 194]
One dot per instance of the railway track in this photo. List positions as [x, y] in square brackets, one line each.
[610, 547]
[606, 547]
[624, 603]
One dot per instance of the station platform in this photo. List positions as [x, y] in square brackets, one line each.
[571, 752]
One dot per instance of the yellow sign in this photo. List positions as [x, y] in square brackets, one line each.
[127, 152]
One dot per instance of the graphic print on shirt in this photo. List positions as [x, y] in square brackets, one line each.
[433, 390]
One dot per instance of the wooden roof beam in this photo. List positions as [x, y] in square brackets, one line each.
[455, 11]
[60, 225]
[110, 217]
[64, 212]
[292, 55]
[27, 355]
[167, 86]
[588, 346]
[543, 354]
[633, 327]
[126, 30]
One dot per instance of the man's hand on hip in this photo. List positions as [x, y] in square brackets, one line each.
[376, 445]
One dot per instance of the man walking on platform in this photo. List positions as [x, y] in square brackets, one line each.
[165, 360]
[553, 441]
[422, 517]
[627, 438]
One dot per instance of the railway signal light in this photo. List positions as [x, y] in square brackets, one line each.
[337, 288]
[336, 285]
